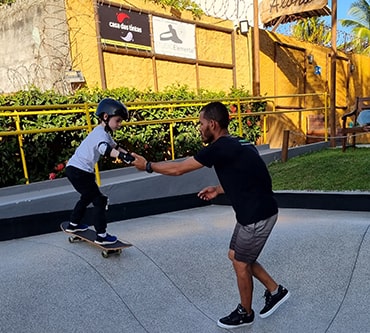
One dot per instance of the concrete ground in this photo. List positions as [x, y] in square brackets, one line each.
[177, 278]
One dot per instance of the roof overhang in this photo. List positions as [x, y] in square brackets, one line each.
[274, 12]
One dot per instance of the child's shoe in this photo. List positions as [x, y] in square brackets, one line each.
[108, 239]
[72, 227]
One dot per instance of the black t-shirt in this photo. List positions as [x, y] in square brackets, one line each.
[244, 177]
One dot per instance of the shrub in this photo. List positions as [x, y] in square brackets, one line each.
[45, 152]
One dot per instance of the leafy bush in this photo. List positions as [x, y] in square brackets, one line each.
[45, 152]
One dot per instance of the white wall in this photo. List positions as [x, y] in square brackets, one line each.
[34, 45]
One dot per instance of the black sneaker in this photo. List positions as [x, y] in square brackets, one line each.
[78, 227]
[273, 302]
[237, 318]
[108, 239]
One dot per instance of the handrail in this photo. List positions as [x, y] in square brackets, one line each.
[87, 108]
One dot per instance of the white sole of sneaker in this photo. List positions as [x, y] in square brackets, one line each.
[230, 327]
[105, 243]
[269, 313]
[75, 230]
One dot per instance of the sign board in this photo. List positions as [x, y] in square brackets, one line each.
[174, 38]
[124, 28]
[272, 9]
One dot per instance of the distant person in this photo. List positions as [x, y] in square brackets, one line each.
[245, 180]
[80, 168]
[364, 120]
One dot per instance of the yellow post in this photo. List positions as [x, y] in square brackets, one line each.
[89, 127]
[240, 120]
[172, 141]
[264, 129]
[20, 142]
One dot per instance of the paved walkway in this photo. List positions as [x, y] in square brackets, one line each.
[177, 277]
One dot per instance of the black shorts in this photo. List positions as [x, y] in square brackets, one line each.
[248, 240]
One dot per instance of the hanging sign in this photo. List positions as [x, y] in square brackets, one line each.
[174, 38]
[273, 9]
[124, 28]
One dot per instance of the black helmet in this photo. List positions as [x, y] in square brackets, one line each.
[112, 108]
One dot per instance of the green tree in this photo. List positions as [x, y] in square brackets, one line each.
[360, 25]
[182, 5]
[6, 2]
[312, 30]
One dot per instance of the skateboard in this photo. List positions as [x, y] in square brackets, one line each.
[89, 236]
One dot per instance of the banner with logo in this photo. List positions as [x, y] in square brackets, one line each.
[174, 38]
[125, 28]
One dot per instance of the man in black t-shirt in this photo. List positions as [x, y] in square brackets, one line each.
[245, 180]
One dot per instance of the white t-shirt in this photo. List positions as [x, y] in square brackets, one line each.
[89, 151]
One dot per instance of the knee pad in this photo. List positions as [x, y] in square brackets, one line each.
[101, 201]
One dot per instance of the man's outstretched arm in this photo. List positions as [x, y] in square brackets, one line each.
[169, 168]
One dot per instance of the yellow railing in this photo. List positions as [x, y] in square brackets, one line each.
[17, 112]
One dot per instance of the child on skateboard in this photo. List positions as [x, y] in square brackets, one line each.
[80, 168]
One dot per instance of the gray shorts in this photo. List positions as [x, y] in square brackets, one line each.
[248, 241]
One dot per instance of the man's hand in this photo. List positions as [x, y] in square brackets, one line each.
[209, 193]
[139, 162]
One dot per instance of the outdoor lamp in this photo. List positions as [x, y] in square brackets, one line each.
[310, 59]
[244, 27]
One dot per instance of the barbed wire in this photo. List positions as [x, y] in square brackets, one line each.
[233, 10]
[45, 52]
[237, 10]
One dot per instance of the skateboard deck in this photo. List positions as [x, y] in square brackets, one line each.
[89, 236]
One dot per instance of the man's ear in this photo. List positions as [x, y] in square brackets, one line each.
[214, 125]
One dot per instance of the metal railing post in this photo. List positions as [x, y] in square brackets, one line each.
[89, 128]
[172, 141]
[20, 143]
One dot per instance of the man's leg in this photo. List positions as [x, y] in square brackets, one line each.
[244, 273]
[261, 275]
[245, 282]
[243, 315]
[246, 244]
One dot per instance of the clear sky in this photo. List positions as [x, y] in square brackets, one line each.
[342, 10]
[343, 7]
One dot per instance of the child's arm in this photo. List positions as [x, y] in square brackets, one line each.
[106, 150]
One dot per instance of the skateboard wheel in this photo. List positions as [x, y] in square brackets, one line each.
[71, 239]
[105, 254]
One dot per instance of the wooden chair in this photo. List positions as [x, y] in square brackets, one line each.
[315, 131]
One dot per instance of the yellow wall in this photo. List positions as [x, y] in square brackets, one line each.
[284, 67]
[83, 41]
[285, 70]
[142, 73]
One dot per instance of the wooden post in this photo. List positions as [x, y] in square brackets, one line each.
[284, 149]
[333, 76]
[256, 50]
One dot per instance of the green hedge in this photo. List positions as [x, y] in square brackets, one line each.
[46, 152]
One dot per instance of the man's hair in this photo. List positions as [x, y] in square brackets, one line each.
[218, 112]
